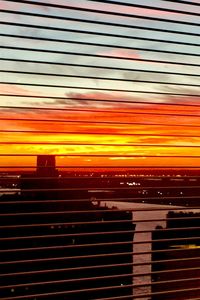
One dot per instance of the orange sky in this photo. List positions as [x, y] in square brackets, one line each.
[105, 125]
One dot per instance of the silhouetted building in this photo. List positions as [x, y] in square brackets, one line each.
[46, 166]
[43, 183]
[62, 248]
[176, 264]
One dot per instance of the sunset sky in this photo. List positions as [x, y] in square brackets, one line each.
[151, 109]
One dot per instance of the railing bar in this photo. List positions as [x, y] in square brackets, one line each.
[106, 133]
[115, 243]
[135, 221]
[33, 284]
[107, 188]
[97, 78]
[97, 22]
[128, 297]
[97, 267]
[95, 233]
[96, 67]
[102, 210]
[104, 56]
[150, 294]
[104, 222]
[71, 7]
[167, 250]
[17, 226]
[102, 289]
[108, 145]
[139, 103]
[97, 122]
[183, 2]
[97, 88]
[109, 176]
[133, 5]
[99, 155]
[44, 236]
[89, 32]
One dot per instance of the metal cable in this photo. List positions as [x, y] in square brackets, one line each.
[99, 22]
[96, 67]
[95, 78]
[94, 267]
[98, 89]
[104, 144]
[103, 289]
[178, 11]
[85, 188]
[100, 11]
[99, 133]
[183, 2]
[108, 56]
[89, 32]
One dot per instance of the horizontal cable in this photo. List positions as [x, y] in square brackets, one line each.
[96, 67]
[107, 188]
[100, 22]
[63, 247]
[35, 272]
[33, 284]
[118, 254]
[112, 13]
[109, 176]
[88, 234]
[101, 155]
[97, 89]
[101, 133]
[98, 110]
[16, 262]
[89, 32]
[93, 211]
[97, 78]
[153, 209]
[98, 155]
[130, 275]
[97, 122]
[183, 2]
[128, 297]
[91, 256]
[60, 235]
[60, 258]
[152, 294]
[104, 56]
[135, 5]
[123, 200]
[103, 144]
[110, 45]
[105, 288]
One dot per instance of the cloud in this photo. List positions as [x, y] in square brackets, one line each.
[121, 53]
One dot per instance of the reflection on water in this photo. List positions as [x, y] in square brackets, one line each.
[149, 220]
